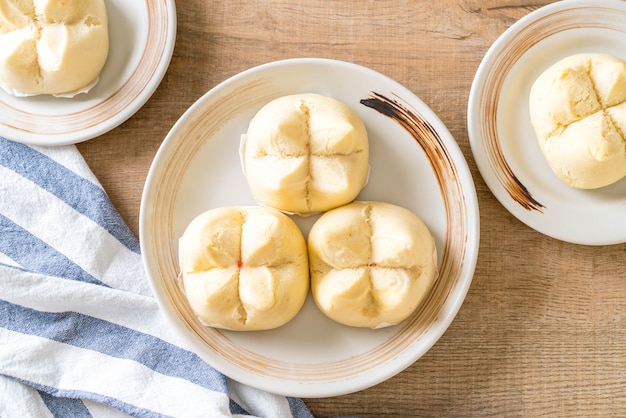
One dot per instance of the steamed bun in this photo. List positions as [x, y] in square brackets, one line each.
[578, 111]
[305, 153]
[244, 268]
[52, 46]
[372, 263]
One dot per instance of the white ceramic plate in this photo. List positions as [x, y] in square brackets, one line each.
[142, 36]
[415, 163]
[503, 141]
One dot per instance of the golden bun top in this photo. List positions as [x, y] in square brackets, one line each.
[372, 263]
[578, 111]
[244, 268]
[305, 153]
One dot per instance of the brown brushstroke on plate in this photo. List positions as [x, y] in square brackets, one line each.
[421, 130]
[444, 167]
[507, 177]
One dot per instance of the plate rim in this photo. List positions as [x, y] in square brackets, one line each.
[88, 131]
[452, 303]
[475, 121]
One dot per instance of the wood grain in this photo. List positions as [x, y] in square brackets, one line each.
[542, 331]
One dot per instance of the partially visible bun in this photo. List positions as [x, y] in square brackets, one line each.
[52, 46]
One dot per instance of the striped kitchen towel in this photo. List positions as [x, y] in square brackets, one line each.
[80, 333]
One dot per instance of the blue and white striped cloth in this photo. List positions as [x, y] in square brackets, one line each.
[80, 334]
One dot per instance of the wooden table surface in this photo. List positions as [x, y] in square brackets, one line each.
[543, 328]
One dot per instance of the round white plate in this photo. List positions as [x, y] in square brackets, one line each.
[503, 141]
[415, 163]
[141, 36]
